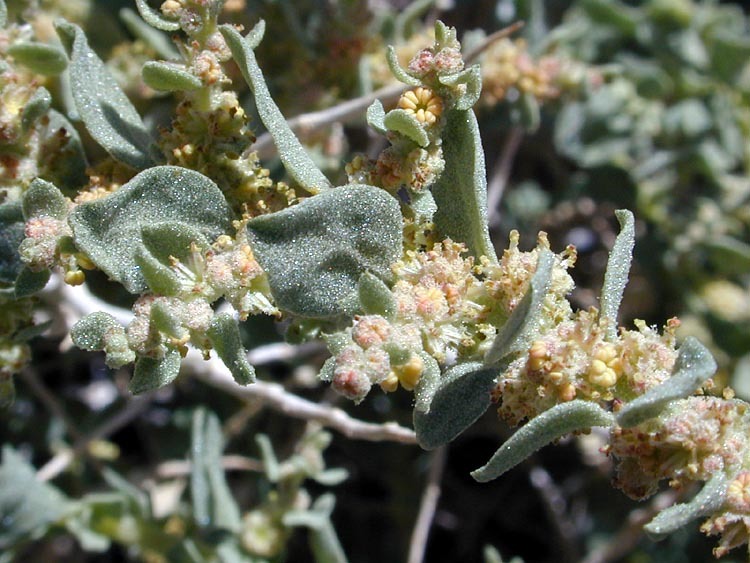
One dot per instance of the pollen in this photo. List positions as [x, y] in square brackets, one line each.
[605, 367]
[738, 492]
[423, 103]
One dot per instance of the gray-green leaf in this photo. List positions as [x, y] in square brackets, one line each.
[618, 268]
[151, 374]
[540, 431]
[155, 18]
[109, 230]
[104, 108]
[523, 322]
[461, 190]
[297, 162]
[693, 367]
[39, 57]
[224, 334]
[463, 396]
[169, 77]
[43, 199]
[406, 123]
[314, 253]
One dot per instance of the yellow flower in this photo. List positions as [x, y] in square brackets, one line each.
[423, 103]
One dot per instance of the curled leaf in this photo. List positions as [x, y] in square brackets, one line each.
[406, 123]
[540, 431]
[708, 500]
[297, 162]
[151, 373]
[398, 71]
[472, 78]
[376, 117]
[155, 18]
[693, 367]
[618, 268]
[428, 384]
[224, 334]
[523, 322]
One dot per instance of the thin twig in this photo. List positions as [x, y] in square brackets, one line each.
[274, 396]
[309, 123]
[501, 174]
[62, 460]
[555, 504]
[632, 531]
[46, 396]
[427, 507]
[181, 468]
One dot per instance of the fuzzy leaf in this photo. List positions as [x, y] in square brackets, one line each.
[64, 164]
[159, 277]
[41, 58]
[375, 296]
[28, 282]
[11, 235]
[224, 334]
[155, 18]
[376, 117]
[27, 505]
[110, 230]
[163, 320]
[406, 123]
[523, 322]
[169, 77]
[618, 269]
[297, 162]
[540, 431]
[463, 396]
[213, 503]
[693, 367]
[428, 384]
[314, 253]
[708, 500]
[270, 461]
[89, 332]
[398, 71]
[151, 374]
[461, 190]
[35, 108]
[43, 199]
[472, 78]
[325, 544]
[158, 41]
[104, 108]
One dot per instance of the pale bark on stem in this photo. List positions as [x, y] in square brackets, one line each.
[427, 507]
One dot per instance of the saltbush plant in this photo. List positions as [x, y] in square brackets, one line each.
[392, 268]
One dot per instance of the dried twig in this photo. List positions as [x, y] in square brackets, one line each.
[427, 507]
[501, 174]
[274, 396]
[181, 468]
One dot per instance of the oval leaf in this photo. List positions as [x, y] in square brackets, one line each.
[540, 431]
[314, 253]
[109, 230]
[461, 191]
[297, 162]
[89, 332]
[376, 117]
[463, 396]
[428, 383]
[618, 268]
[169, 77]
[104, 108]
[406, 123]
[39, 57]
[43, 199]
[693, 367]
[150, 374]
[28, 282]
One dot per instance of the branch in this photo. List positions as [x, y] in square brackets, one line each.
[501, 174]
[427, 507]
[182, 468]
[273, 395]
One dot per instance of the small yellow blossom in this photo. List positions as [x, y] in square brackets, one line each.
[423, 103]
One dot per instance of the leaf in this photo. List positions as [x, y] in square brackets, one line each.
[728, 255]
[61, 156]
[3, 14]
[27, 505]
[297, 162]
[43, 199]
[41, 58]
[325, 544]
[314, 253]
[540, 431]
[151, 374]
[104, 108]
[461, 190]
[224, 334]
[709, 500]
[375, 296]
[472, 78]
[270, 461]
[428, 384]
[35, 108]
[376, 117]
[11, 235]
[406, 123]
[213, 504]
[89, 332]
[155, 18]
[169, 77]
[110, 230]
[693, 367]
[397, 70]
[463, 396]
[516, 334]
[28, 282]
[618, 269]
